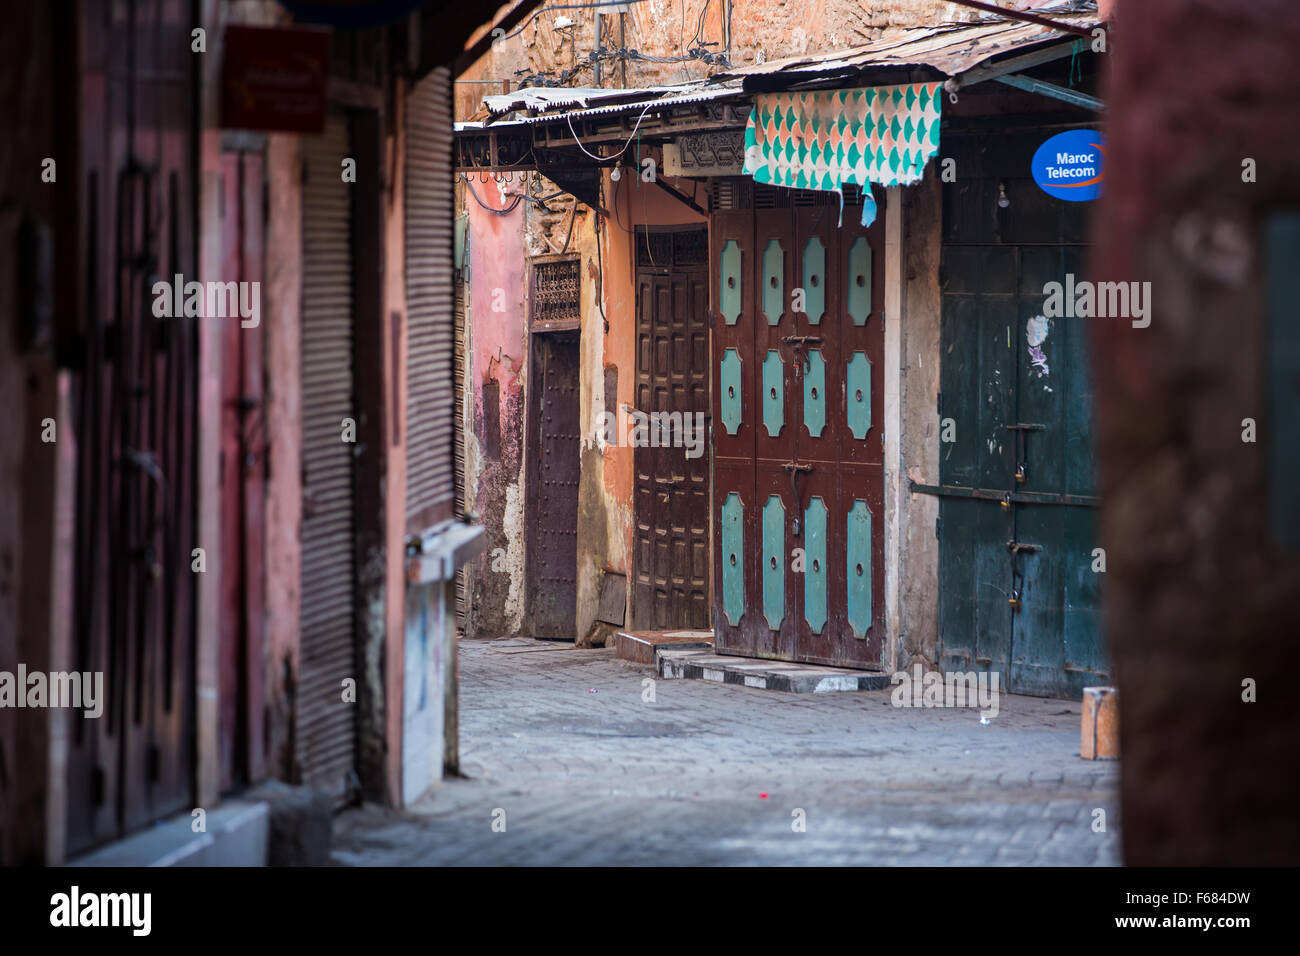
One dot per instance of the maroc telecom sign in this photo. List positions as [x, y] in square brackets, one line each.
[1071, 166]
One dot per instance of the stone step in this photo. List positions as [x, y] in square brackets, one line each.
[640, 646]
[695, 664]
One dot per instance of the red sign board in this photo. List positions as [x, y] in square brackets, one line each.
[274, 78]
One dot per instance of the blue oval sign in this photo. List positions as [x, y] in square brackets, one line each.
[1071, 165]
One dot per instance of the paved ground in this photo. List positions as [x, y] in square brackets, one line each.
[560, 740]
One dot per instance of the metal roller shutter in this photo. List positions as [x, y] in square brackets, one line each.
[326, 726]
[430, 391]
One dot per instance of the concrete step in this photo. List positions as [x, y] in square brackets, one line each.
[236, 833]
[640, 646]
[695, 664]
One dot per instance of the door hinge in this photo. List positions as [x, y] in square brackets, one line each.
[938, 527]
[938, 402]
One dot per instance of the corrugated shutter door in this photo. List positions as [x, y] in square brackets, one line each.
[430, 394]
[326, 726]
[458, 440]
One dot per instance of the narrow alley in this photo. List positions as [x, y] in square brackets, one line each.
[587, 772]
[647, 433]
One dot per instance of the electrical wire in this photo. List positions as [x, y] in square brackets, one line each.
[603, 159]
[546, 8]
[492, 209]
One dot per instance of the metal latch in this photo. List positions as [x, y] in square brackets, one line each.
[796, 469]
[800, 342]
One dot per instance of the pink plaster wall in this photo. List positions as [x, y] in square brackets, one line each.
[498, 344]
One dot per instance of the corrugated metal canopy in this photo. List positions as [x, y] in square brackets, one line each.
[640, 99]
[951, 49]
[544, 98]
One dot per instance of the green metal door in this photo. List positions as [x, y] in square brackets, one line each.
[1019, 573]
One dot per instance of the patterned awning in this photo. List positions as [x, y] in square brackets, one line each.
[824, 139]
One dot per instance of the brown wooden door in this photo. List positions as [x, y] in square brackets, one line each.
[671, 563]
[243, 482]
[552, 555]
[135, 383]
[798, 474]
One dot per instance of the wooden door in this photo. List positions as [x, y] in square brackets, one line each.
[135, 400]
[671, 562]
[798, 473]
[1017, 590]
[552, 555]
[243, 482]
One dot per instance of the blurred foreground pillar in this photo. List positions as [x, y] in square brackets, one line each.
[1199, 426]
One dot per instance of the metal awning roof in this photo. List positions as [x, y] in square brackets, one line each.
[544, 98]
[633, 101]
[966, 52]
[950, 49]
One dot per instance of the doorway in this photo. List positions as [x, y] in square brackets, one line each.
[671, 462]
[798, 497]
[1019, 589]
[243, 483]
[554, 435]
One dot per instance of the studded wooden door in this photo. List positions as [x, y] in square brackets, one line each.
[798, 455]
[552, 546]
[671, 561]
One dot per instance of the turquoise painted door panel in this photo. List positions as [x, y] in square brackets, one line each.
[773, 282]
[729, 284]
[857, 394]
[858, 292]
[733, 558]
[773, 393]
[815, 577]
[858, 568]
[804, 325]
[814, 393]
[774, 562]
[729, 381]
[814, 280]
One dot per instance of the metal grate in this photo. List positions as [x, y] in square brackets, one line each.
[557, 292]
[431, 332]
[325, 737]
[691, 247]
[737, 193]
[654, 249]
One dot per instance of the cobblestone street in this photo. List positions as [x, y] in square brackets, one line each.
[586, 772]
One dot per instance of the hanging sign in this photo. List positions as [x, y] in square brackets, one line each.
[1071, 165]
[274, 78]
